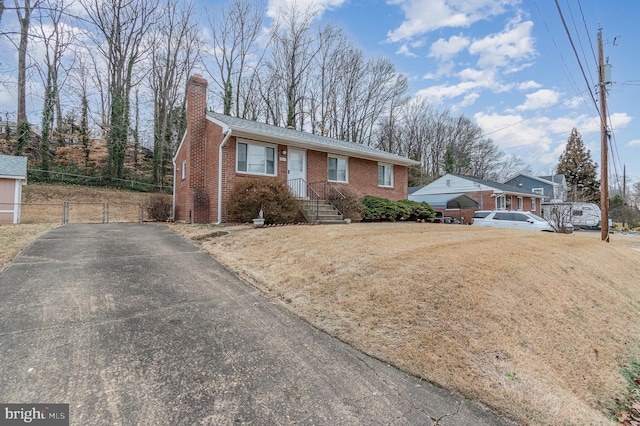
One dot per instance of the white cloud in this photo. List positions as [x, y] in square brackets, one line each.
[469, 100]
[404, 50]
[529, 85]
[445, 50]
[422, 16]
[275, 7]
[514, 131]
[513, 45]
[620, 120]
[635, 142]
[543, 98]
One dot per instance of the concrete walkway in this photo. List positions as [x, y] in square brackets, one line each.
[134, 325]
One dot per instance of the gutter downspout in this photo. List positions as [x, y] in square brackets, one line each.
[173, 207]
[224, 142]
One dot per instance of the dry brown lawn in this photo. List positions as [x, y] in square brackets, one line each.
[535, 325]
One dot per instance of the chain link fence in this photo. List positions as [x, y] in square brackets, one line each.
[73, 212]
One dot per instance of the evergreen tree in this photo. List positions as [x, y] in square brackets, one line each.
[579, 170]
[449, 160]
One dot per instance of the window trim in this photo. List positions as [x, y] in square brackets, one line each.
[386, 166]
[262, 145]
[346, 171]
[538, 191]
[520, 203]
[184, 169]
[502, 197]
[534, 206]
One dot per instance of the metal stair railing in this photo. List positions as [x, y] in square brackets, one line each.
[331, 194]
[311, 201]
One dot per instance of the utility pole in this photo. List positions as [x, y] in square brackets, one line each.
[604, 158]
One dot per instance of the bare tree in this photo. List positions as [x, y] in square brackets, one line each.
[235, 36]
[175, 51]
[294, 48]
[120, 28]
[24, 12]
[57, 40]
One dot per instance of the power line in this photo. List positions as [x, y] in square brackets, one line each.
[575, 27]
[564, 23]
[565, 67]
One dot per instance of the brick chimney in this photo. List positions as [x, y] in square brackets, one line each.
[196, 132]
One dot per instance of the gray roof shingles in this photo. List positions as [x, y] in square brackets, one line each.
[13, 166]
[310, 140]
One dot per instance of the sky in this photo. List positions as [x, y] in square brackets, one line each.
[509, 66]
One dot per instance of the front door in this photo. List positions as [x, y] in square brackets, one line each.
[297, 171]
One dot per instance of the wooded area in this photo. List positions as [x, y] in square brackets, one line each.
[115, 71]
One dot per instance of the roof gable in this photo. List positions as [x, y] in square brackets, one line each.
[274, 134]
[13, 167]
[451, 183]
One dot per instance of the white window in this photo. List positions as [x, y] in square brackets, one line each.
[184, 169]
[539, 191]
[533, 205]
[385, 175]
[338, 169]
[520, 203]
[500, 202]
[256, 159]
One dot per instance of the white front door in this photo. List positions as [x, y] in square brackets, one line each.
[297, 171]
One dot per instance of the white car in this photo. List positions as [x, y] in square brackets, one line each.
[513, 220]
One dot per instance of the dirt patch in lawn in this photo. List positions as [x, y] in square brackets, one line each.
[535, 325]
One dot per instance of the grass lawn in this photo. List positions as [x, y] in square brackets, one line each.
[535, 325]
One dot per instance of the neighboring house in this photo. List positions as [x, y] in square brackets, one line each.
[488, 195]
[218, 150]
[552, 188]
[13, 174]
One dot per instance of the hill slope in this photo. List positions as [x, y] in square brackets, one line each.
[535, 325]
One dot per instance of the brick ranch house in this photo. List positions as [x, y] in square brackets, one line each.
[452, 189]
[218, 150]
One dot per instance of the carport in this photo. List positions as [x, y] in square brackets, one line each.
[454, 204]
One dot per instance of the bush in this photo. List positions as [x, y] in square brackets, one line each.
[351, 206]
[414, 210]
[159, 207]
[378, 209]
[248, 196]
[382, 209]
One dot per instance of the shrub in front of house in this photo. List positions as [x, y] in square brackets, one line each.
[351, 205]
[414, 210]
[248, 196]
[376, 209]
[159, 207]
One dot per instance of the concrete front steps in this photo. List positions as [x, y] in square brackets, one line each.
[327, 214]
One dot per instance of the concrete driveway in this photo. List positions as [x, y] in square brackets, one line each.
[133, 324]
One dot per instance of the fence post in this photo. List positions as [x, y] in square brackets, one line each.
[65, 213]
[105, 214]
